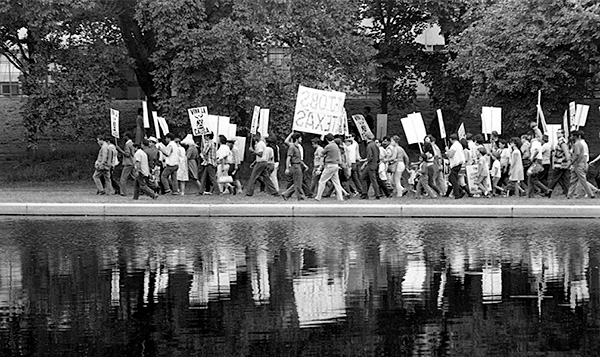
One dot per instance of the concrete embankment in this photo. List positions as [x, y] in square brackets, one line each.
[296, 210]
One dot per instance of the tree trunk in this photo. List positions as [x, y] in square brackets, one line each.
[383, 87]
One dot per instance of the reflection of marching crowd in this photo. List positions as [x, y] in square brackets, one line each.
[527, 165]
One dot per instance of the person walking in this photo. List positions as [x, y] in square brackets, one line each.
[141, 172]
[457, 158]
[260, 168]
[293, 167]
[330, 172]
[209, 162]
[168, 177]
[561, 160]
[102, 168]
[579, 166]
[368, 175]
[127, 172]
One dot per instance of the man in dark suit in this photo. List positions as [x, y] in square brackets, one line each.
[369, 173]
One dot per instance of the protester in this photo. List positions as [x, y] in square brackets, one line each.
[317, 164]
[293, 167]
[272, 144]
[223, 159]
[168, 176]
[115, 163]
[102, 168]
[182, 170]
[516, 175]
[457, 158]
[536, 168]
[127, 172]
[368, 174]
[354, 158]
[153, 154]
[191, 156]
[561, 160]
[496, 173]
[579, 166]
[260, 168]
[423, 177]
[234, 166]
[142, 172]
[537, 133]
[546, 159]
[330, 170]
[483, 171]
[403, 163]
[209, 164]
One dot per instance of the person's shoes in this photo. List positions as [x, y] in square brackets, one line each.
[167, 192]
[356, 194]
[377, 197]
[122, 194]
[300, 198]
[284, 197]
[207, 193]
[276, 194]
[316, 199]
[548, 194]
[175, 193]
[102, 193]
[348, 196]
[461, 195]
[155, 196]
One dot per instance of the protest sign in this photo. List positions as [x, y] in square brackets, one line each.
[163, 125]
[232, 133]
[318, 111]
[418, 126]
[255, 117]
[461, 131]
[566, 124]
[552, 133]
[263, 122]
[542, 118]
[441, 124]
[211, 124]
[240, 144]
[581, 114]
[472, 175]
[222, 127]
[145, 115]
[345, 127]
[114, 123]
[361, 125]
[382, 122]
[572, 112]
[491, 120]
[197, 116]
[156, 127]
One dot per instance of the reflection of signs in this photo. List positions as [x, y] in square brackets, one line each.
[114, 123]
[318, 111]
[197, 116]
[361, 125]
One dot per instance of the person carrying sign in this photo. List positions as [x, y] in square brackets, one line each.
[127, 172]
[331, 167]
[260, 168]
[579, 165]
[457, 159]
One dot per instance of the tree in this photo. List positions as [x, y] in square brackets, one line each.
[519, 47]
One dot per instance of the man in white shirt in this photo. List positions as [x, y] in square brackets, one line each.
[260, 168]
[535, 169]
[234, 163]
[457, 159]
[354, 159]
[142, 170]
[168, 178]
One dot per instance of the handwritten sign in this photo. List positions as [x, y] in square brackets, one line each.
[361, 125]
[318, 111]
[197, 116]
[223, 126]
[114, 123]
[255, 117]
[572, 113]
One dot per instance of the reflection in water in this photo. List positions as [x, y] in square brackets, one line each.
[289, 287]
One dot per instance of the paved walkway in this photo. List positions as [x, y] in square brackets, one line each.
[298, 210]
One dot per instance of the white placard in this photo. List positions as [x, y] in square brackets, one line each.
[255, 117]
[223, 127]
[263, 122]
[581, 114]
[361, 125]
[212, 123]
[156, 127]
[114, 123]
[232, 132]
[240, 143]
[414, 129]
[382, 124]
[566, 123]
[486, 120]
[163, 125]
[462, 134]
[552, 133]
[145, 115]
[441, 124]
[472, 174]
[572, 113]
[197, 116]
[317, 111]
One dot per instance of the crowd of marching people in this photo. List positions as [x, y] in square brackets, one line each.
[343, 168]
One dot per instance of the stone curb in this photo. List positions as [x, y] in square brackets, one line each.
[299, 210]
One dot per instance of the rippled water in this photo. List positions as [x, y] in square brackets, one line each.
[299, 287]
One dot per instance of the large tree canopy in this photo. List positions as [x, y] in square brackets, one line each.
[519, 47]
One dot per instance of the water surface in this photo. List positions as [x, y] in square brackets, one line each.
[299, 287]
